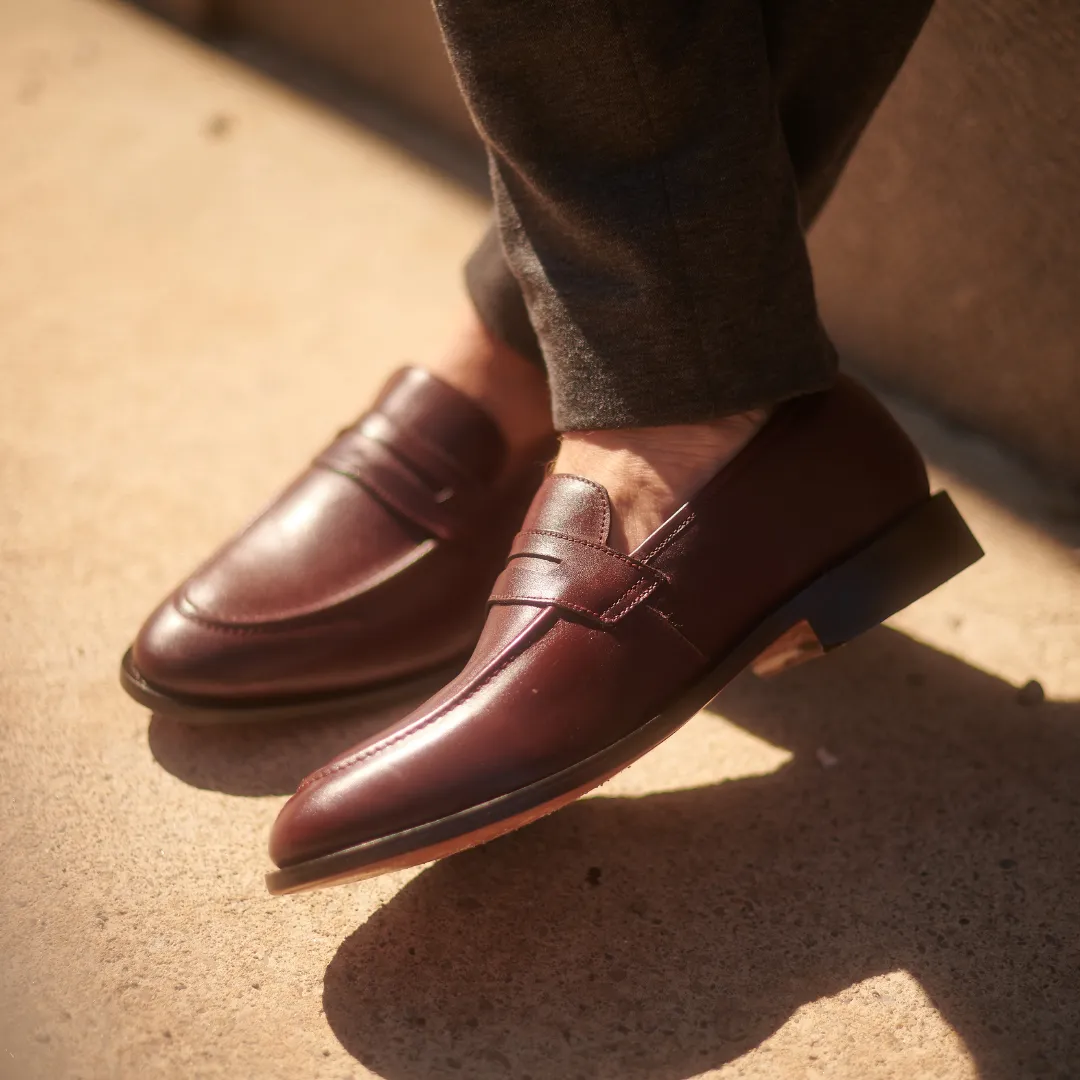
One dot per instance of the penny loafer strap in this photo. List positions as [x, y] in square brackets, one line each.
[579, 576]
[438, 507]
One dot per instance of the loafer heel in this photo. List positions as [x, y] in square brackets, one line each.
[925, 548]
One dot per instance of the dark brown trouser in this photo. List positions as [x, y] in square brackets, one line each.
[654, 163]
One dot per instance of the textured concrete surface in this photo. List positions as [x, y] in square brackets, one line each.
[867, 869]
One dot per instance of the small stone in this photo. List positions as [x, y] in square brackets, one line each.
[593, 876]
[1031, 693]
[1007, 864]
[219, 126]
[826, 759]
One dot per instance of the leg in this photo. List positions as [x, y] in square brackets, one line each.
[646, 204]
[831, 64]
[659, 249]
[658, 243]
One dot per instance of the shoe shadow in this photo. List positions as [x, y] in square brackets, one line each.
[261, 759]
[660, 937]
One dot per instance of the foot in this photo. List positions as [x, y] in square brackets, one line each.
[510, 389]
[650, 472]
[590, 656]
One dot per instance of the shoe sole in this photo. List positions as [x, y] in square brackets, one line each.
[912, 557]
[209, 712]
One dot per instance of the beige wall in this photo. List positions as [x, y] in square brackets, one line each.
[948, 262]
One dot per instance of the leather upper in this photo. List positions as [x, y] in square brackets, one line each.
[373, 564]
[584, 644]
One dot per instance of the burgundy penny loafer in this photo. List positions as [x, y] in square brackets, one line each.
[821, 528]
[365, 582]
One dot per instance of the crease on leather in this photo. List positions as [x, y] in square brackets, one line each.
[672, 628]
[511, 652]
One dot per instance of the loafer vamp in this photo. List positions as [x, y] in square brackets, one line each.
[487, 736]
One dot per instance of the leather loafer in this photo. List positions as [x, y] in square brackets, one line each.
[363, 583]
[819, 529]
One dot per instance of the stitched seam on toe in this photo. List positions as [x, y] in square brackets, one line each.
[227, 628]
[286, 624]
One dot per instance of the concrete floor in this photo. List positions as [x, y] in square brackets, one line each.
[867, 869]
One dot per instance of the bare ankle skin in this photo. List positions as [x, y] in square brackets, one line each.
[513, 390]
[650, 472]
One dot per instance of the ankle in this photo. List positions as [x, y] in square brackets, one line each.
[650, 472]
[510, 388]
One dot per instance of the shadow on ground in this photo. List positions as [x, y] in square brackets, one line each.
[260, 759]
[662, 936]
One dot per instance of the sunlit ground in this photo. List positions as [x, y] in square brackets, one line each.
[866, 868]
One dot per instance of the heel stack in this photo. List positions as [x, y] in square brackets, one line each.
[911, 558]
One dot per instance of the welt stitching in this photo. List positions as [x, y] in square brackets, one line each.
[393, 740]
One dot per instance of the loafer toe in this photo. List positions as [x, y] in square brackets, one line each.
[180, 654]
[363, 580]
